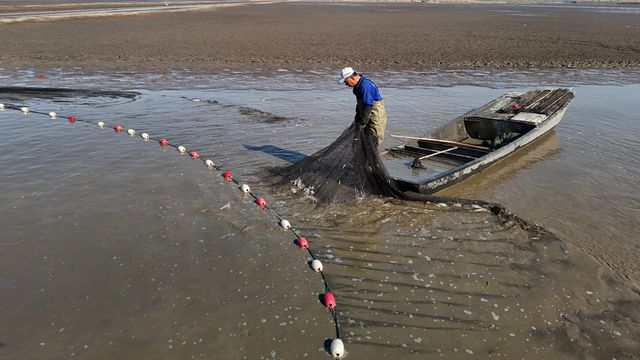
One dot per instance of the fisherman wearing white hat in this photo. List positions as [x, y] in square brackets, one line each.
[370, 112]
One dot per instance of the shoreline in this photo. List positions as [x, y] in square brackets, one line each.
[260, 79]
[307, 36]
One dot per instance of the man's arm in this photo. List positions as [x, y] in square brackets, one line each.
[364, 118]
[356, 118]
[367, 106]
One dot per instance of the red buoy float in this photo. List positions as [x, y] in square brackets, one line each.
[227, 175]
[163, 142]
[260, 202]
[194, 155]
[329, 301]
[117, 128]
[515, 106]
[72, 119]
[301, 242]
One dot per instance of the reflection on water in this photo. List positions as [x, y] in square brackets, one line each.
[543, 148]
[113, 247]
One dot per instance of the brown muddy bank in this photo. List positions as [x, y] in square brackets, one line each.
[307, 36]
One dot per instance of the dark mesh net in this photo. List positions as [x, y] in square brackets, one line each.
[346, 170]
[350, 168]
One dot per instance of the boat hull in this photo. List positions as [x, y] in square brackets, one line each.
[465, 171]
[478, 139]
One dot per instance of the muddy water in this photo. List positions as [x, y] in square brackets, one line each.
[112, 247]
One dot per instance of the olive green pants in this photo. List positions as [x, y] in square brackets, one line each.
[378, 120]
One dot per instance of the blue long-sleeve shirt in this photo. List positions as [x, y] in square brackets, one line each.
[366, 93]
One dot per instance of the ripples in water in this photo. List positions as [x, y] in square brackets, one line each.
[113, 246]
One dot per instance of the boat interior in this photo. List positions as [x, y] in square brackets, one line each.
[475, 134]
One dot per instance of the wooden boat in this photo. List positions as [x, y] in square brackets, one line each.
[476, 140]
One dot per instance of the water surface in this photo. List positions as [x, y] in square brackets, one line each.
[114, 247]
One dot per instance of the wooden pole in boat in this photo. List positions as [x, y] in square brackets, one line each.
[437, 153]
[441, 141]
[417, 163]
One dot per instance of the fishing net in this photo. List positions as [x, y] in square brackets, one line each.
[350, 168]
[345, 171]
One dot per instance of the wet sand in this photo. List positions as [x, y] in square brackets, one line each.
[312, 35]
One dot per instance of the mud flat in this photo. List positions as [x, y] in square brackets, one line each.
[313, 35]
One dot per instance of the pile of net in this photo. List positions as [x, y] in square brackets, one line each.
[345, 171]
[350, 168]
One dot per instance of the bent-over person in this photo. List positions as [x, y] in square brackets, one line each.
[370, 112]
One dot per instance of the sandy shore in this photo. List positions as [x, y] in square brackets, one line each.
[306, 36]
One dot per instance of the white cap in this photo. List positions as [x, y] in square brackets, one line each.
[345, 73]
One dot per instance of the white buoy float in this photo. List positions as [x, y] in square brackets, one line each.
[337, 349]
[285, 224]
[144, 136]
[101, 124]
[53, 115]
[24, 109]
[316, 265]
[245, 188]
[131, 132]
[209, 164]
[1, 107]
[182, 150]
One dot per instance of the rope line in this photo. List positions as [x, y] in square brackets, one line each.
[328, 299]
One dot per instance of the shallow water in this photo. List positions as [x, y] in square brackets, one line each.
[113, 247]
[48, 10]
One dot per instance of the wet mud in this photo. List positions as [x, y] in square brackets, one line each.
[251, 113]
[27, 93]
[315, 36]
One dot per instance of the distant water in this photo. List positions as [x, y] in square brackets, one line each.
[115, 2]
[112, 247]
[56, 10]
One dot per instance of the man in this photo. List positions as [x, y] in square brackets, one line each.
[370, 112]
